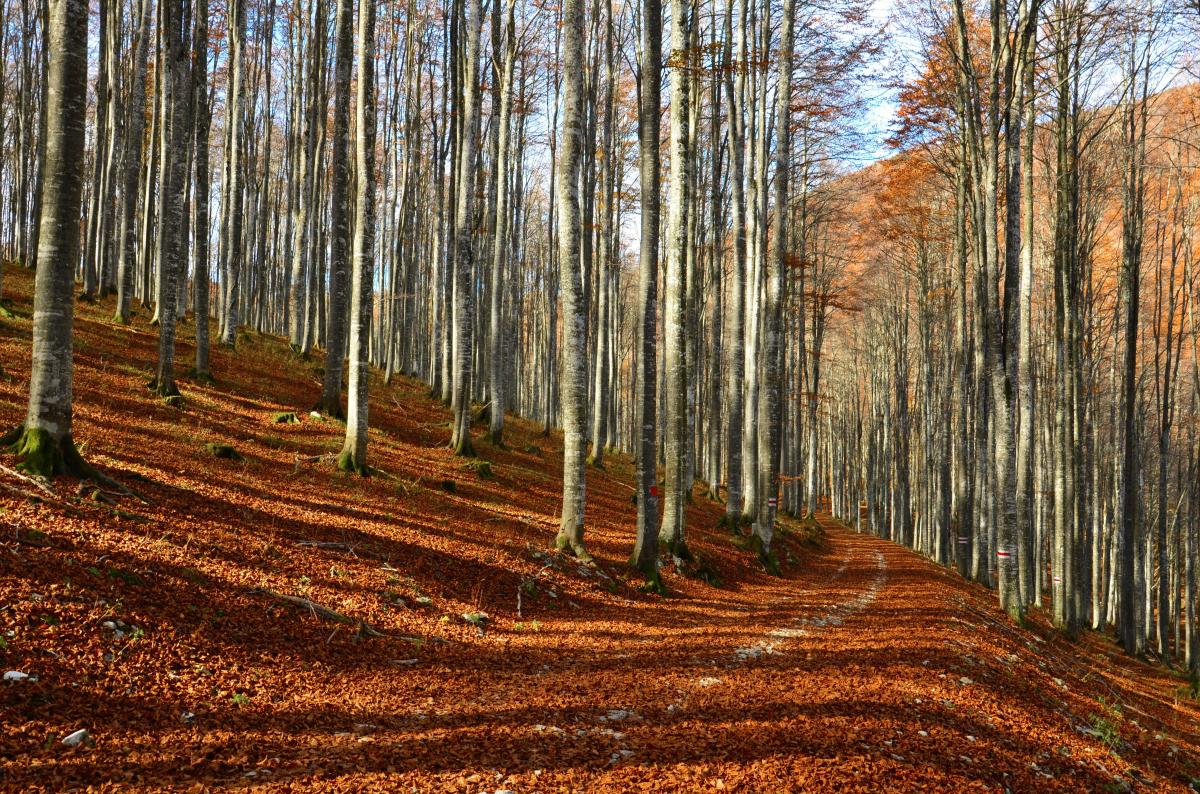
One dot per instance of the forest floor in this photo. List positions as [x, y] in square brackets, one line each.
[155, 626]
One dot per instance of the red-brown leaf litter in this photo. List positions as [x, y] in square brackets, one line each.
[157, 626]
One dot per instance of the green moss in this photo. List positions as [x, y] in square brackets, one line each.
[464, 448]
[676, 548]
[766, 557]
[218, 450]
[41, 455]
[653, 583]
[482, 468]
[346, 462]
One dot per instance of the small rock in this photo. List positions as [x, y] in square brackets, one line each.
[15, 675]
[76, 738]
[187, 717]
[708, 681]
[965, 681]
[923, 733]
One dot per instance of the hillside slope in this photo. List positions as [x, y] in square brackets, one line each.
[157, 626]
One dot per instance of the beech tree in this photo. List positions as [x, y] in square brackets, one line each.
[354, 453]
[572, 374]
[44, 440]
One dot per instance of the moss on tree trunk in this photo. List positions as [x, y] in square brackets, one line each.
[44, 456]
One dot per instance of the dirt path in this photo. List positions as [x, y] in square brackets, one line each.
[871, 670]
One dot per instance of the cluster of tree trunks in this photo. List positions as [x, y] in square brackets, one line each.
[463, 220]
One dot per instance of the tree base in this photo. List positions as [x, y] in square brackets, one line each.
[331, 408]
[204, 378]
[765, 556]
[43, 456]
[463, 448]
[653, 583]
[165, 389]
[564, 542]
[676, 547]
[730, 523]
[596, 462]
[346, 462]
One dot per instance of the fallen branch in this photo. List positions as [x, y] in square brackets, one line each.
[326, 544]
[364, 628]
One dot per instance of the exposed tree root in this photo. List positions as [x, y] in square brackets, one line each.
[43, 457]
[765, 556]
[346, 462]
[565, 543]
[676, 548]
[204, 378]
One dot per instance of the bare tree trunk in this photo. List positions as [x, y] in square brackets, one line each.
[44, 440]
[173, 263]
[353, 456]
[203, 119]
[573, 372]
[234, 243]
[496, 373]
[772, 387]
[671, 534]
[735, 90]
[645, 550]
[339, 243]
[133, 167]
[464, 255]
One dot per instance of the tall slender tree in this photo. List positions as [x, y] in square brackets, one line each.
[339, 242]
[44, 440]
[354, 452]
[572, 374]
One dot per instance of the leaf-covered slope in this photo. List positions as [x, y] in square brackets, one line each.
[264, 620]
